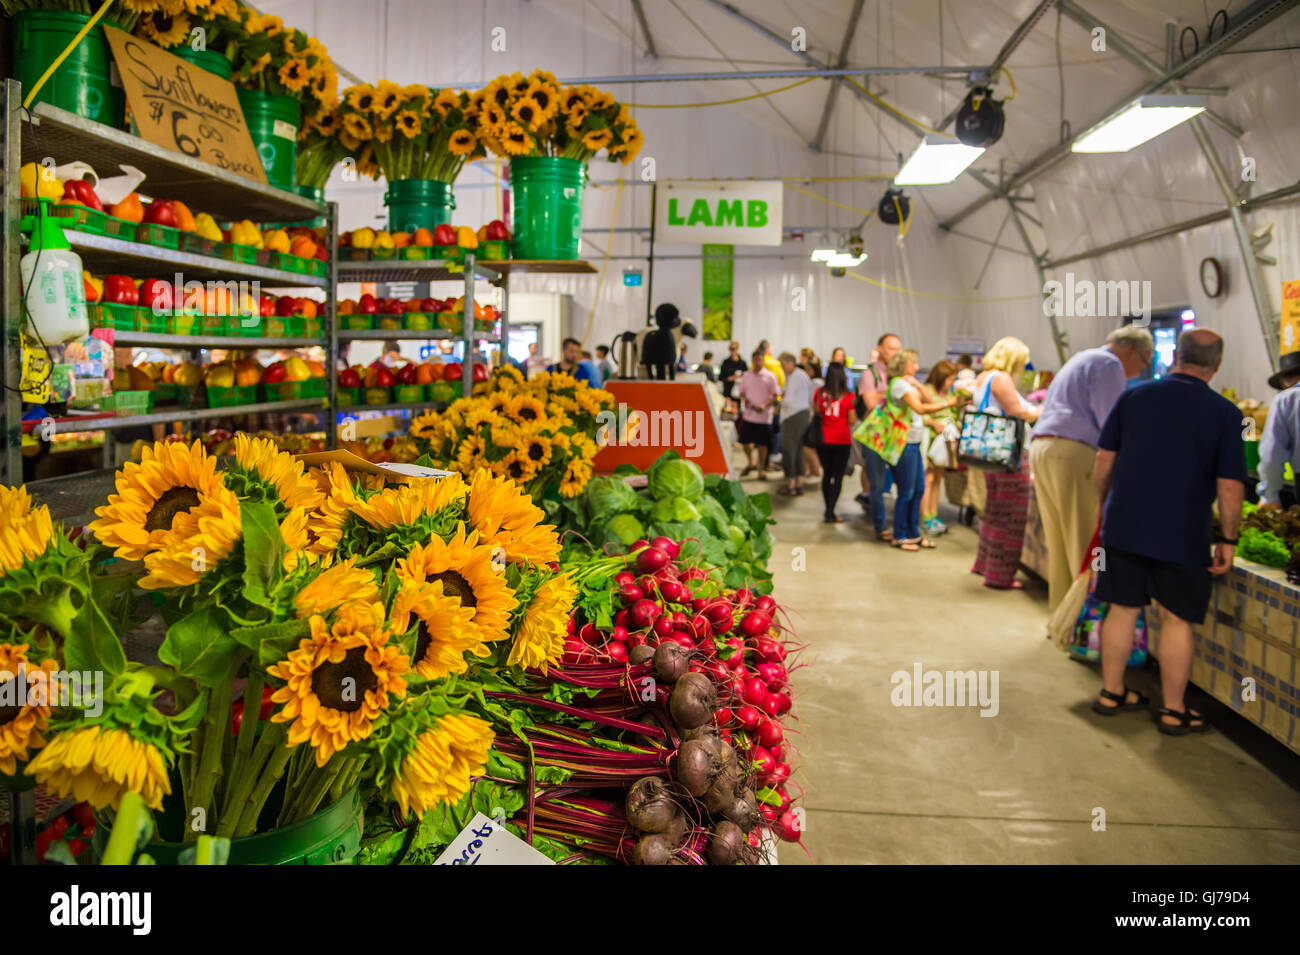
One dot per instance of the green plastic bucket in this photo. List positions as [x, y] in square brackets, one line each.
[83, 83]
[315, 194]
[417, 203]
[273, 123]
[331, 837]
[214, 61]
[547, 195]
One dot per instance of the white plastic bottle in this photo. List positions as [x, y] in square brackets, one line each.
[54, 296]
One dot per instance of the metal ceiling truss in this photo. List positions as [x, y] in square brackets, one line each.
[854, 17]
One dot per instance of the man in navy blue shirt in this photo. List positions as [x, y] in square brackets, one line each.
[1166, 451]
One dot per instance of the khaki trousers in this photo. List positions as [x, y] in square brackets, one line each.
[1067, 503]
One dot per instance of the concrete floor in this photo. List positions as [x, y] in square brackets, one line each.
[889, 784]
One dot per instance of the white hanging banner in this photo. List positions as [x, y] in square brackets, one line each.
[735, 213]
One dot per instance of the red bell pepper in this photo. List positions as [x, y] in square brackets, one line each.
[161, 212]
[81, 192]
[496, 230]
[348, 378]
[444, 235]
[157, 294]
[479, 372]
[120, 290]
[367, 305]
[451, 371]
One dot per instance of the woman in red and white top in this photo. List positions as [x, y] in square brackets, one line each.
[834, 402]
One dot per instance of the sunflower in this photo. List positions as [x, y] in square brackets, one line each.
[526, 408]
[98, 764]
[492, 116]
[515, 140]
[325, 524]
[20, 726]
[574, 118]
[388, 96]
[293, 74]
[600, 99]
[280, 474]
[339, 679]
[360, 98]
[517, 467]
[357, 126]
[166, 29]
[545, 95]
[633, 140]
[470, 453]
[408, 123]
[499, 402]
[446, 101]
[445, 628]
[470, 573]
[576, 476]
[404, 505]
[441, 762]
[528, 112]
[462, 142]
[540, 641]
[199, 540]
[259, 64]
[25, 532]
[263, 23]
[505, 516]
[343, 583]
[537, 449]
[170, 483]
[597, 139]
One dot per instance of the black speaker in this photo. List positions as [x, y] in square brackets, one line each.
[981, 119]
[891, 204]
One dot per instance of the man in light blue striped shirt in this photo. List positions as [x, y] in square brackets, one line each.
[1280, 441]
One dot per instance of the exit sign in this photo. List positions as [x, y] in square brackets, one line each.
[632, 277]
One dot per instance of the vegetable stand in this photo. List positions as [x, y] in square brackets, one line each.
[51, 132]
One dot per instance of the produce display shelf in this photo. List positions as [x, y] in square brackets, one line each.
[411, 270]
[352, 410]
[164, 340]
[106, 254]
[98, 423]
[551, 266]
[169, 174]
[72, 498]
[393, 334]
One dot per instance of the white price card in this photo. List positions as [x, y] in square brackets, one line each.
[486, 842]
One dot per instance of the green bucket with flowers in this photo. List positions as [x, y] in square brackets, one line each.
[272, 122]
[84, 83]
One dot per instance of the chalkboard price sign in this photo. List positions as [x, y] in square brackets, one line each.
[182, 107]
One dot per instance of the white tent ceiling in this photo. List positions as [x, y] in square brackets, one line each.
[1082, 201]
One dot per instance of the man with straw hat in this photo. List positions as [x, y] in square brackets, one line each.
[1280, 441]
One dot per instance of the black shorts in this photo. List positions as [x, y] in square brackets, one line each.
[1132, 580]
[753, 432]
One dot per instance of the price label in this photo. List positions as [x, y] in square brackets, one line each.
[1289, 332]
[177, 105]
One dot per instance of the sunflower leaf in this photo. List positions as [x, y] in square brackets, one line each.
[200, 647]
[271, 639]
[92, 643]
[263, 552]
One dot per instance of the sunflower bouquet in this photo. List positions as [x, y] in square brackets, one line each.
[360, 616]
[122, 13]
[535, 432]
[535, 115]
[284, 61]
[409, 132]
[172, 23]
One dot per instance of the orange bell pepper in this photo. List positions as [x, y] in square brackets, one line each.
[304, 247]
[184, 218]
[130, 208]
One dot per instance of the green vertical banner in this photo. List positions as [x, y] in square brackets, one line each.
[717, 286]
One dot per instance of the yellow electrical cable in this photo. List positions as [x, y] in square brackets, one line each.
[496, 174]
[722, 102]
[897, 112]
[905, 222]
[944, 298]
[609, 245]
[1012, 80]
[841, 205]
[58, 60]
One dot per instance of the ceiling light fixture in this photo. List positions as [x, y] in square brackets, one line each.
[846, 260]
[822, 255]
[1142, 120]
[938, 160]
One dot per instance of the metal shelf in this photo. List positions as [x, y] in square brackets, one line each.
[547, 266]
[412, 406]
[66, 426]
[170, 174]
[102, 253]
[411, 270]
[393, 334]
[198, 341]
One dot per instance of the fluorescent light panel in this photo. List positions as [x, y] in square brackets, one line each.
[1138, 122]
[845, 260]
[822, 255]
[939, 159]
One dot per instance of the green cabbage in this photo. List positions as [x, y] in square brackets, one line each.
[674, 509]
[714, 514]
[625, 528]
[607, 496]
[675, 477]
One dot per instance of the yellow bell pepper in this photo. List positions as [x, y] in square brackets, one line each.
[39, 182]
[207, 227]
[383, 240]
[363, 238]
[244, 232]
[277, 240]
[465, 238]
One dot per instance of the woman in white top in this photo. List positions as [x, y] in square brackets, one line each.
[796, 403]
[909, 472]
[1002, 525]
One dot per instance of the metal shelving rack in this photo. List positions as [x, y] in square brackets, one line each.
[49, 131]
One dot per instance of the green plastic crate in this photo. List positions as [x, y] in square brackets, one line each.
[285, 391]
[416, 252]
[317, 268]
[377, 395]
[294, 263]
[244, 326]
[350, 253]
[147, 321]
[312, 328]
[128, 403]
[200, 245]
[450, 253]
[212, 326]
[494, 250]
[408, 394]
[358, 322]
[382, 255]
[232, 397]
[418, 321]
[119, 316]
[120, 228]
[97, 316]
[234, 252]
[347, 397]
[180, 323]
[163, 236]
[316, 387]
[82, 218]
[164, 393]
[389, 323]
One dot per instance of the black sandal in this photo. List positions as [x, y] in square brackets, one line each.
[1121, 701]
[1184, 725]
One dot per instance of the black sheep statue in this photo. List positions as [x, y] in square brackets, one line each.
[659, 348]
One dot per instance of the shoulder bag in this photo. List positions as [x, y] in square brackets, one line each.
[884, 430]
[990, 442]
[813, 437]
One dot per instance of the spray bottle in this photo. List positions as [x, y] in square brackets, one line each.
[54, 297]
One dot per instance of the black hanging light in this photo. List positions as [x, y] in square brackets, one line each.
[895, 208]
[981, 118]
